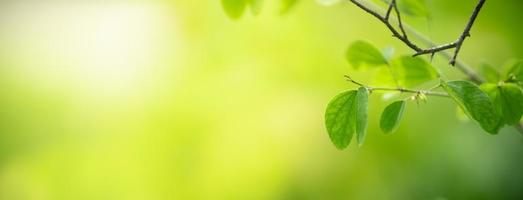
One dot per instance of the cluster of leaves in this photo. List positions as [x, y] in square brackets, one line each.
[236, 8]
[493, 105]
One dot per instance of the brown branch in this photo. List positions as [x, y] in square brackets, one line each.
[385, 20]
[466, 32]
[404, 38]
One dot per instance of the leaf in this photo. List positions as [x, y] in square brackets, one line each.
[490, 74]
[408, 71]
[362, 55]
[256, 6]
[347, 114]
[234, 8]
[327, 2]
[475, 103]
[362, 108]
[512, 103]
[515, 73]
[507, 99]
[391, 116]
[287, 5]
[340, 118]
[413, 7]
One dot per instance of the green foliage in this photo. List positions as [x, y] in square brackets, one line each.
[515, 73]
[345, 115]
[391, 116]
[363, 55]
[287, 5]
[234, 8]
[508, 100]
[412, 71]
[413, 7]
[496, 103]
[475, 103]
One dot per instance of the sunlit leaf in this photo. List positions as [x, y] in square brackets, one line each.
[362, 55]
[508, 100]
[340, 118]
[490, 74]
[327, 2]
[413, 7]
[234, 8]
[406, 71]
[475, 103]
[391, 116]
[287, 5]
[362, 104]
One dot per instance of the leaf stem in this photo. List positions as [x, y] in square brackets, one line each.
[402, 90]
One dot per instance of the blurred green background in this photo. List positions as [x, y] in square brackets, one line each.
[173, 100]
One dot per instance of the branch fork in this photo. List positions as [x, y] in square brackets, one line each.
[401, 34]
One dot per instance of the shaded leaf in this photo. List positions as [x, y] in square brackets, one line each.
[413, 7]
[362, 108]
[362, 55]
[340, 118]
[391, 116]
[475, 103]
[507, 99]
[287, 5]
[234, 8]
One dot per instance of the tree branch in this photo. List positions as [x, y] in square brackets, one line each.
[466, 32]
[404, 37]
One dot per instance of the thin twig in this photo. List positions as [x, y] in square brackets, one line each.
[404, 37]
[398, 15]
[385, 21]
[402, 90]
[466, 32]
[460, 65]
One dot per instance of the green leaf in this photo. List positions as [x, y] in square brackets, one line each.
[507, 99]
[340, 118]
[491, 75]
[256, 6]
[362, 55]
[347, 114]
[512, 103]
[234, 8]
[515, 73]
[362, 108]
[413, 7]
[287, 5]
[475, 103]
[391, 116]
[407, 71]
[327, 2]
